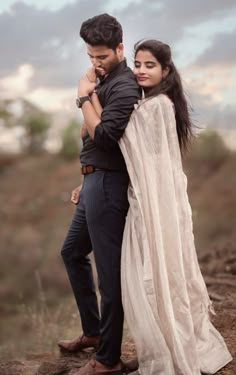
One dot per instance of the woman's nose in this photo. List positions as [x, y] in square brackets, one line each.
[141, 69]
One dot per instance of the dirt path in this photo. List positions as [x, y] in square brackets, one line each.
[49, 364]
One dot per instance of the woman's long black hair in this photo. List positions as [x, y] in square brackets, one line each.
[171, 85]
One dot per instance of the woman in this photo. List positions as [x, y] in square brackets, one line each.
[165, 299]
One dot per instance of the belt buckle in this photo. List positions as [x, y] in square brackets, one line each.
[87, 169]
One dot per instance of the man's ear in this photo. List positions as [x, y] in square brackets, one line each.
[120, 49]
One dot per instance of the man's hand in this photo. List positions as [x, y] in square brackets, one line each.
[91, 74]
[100, 72]
[94, 73]
[76, 194]
[85, 86]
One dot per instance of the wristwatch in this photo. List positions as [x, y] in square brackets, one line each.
[81, 99]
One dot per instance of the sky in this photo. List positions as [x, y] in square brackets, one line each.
[43, 57]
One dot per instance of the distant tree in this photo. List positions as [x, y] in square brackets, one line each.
[4, 114]
[209, 150]
[71, 141]
[36, 127]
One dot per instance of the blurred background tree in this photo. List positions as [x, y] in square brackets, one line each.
[37, 127]
[4, 114]
[208, 152]
[71, 141]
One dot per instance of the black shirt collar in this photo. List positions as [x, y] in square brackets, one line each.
[116, 71]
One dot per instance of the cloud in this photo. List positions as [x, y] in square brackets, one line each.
[209, 109]
[192, 12]
[167, 20]
[212, 81]
[18, 83]
[221, 51]
[53, 99]
[48, 43]
[49, 40]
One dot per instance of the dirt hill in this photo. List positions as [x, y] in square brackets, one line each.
[36, 304]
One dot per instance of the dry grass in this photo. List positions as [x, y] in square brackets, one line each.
[37, 307]
[36, 328]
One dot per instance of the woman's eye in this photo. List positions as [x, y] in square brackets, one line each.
[150, 66]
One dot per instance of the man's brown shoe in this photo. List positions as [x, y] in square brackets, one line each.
[130, 365]
[79, 343]
[96, 368]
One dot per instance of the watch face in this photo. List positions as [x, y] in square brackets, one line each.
[77, 101]
[81, 99]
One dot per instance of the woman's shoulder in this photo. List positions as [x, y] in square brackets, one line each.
[163, 101]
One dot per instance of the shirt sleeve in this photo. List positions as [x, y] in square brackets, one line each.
[116, 114]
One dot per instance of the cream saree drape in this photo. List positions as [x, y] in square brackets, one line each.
[165, 299]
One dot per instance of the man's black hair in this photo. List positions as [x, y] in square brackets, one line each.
[102, 30]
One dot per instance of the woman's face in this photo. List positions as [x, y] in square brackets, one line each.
[148, 70]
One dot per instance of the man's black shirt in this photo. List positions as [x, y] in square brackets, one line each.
[117, 93]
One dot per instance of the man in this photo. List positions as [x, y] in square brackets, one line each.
[99, 219]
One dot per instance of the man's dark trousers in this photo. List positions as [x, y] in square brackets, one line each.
[98, 225]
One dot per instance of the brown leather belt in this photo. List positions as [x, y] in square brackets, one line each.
[87, 169]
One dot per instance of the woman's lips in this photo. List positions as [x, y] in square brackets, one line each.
[142, 78]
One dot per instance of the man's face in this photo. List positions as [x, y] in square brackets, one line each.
[104, 59]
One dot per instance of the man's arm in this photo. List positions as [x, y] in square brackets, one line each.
[106, 126]
[116, 113]
[96, 104]
[91, 118]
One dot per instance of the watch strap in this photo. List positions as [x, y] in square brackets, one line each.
[81, 100]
